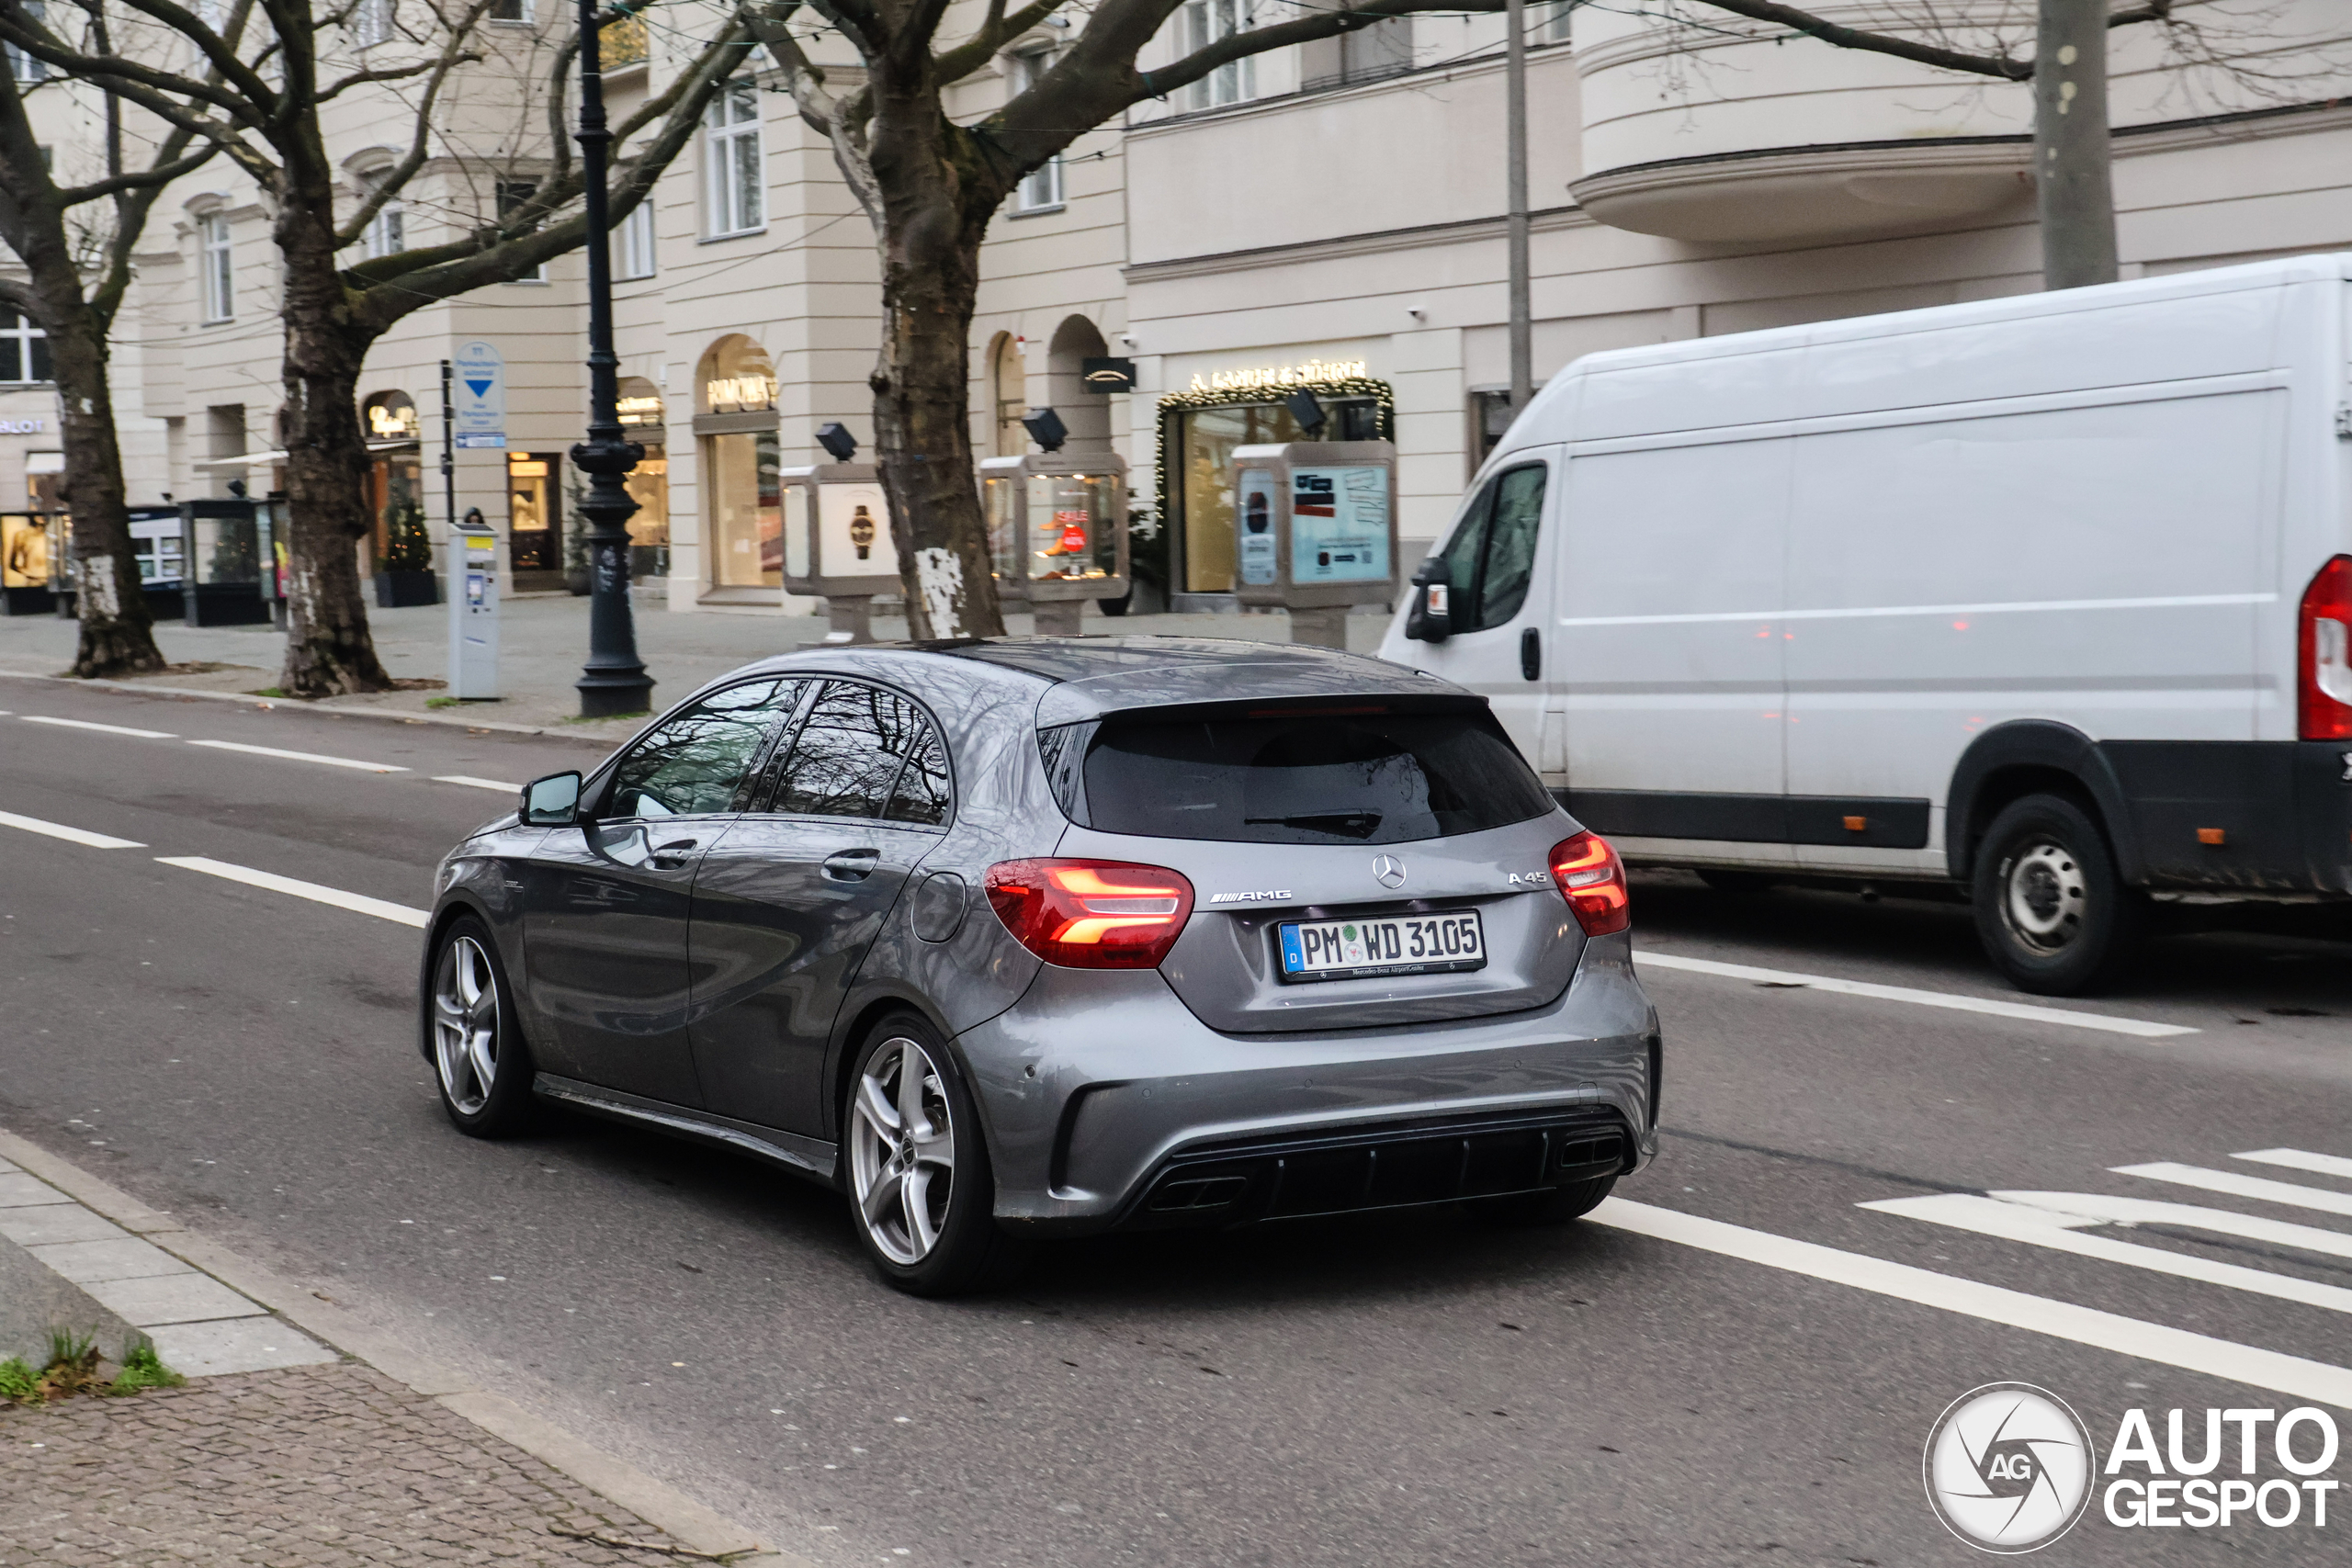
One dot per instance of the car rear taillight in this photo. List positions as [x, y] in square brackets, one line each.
[1091, 914]
[2324, 655]
[1593, 882]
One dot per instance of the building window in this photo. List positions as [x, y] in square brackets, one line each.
[1206, 21]
[512, 193]
[219, 267]
[1041, 189]
[24, 350]
[23, 66]
[387, 231]
[732, 144]
[372, 23]
[637, 241]
[1553, 27]
[1197, 499]
[511, 11]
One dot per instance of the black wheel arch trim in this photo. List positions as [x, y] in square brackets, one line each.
[2047, 745]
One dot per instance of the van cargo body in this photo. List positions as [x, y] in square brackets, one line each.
[1827, 601]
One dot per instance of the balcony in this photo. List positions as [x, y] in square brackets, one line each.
[1847, 190]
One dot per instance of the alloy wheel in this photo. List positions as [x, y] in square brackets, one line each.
[2043, 894]
[902, 1151]
[465, 1025]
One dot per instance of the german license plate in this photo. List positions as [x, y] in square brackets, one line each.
[1404, 944]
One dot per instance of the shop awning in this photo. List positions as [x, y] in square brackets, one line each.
[266, 459]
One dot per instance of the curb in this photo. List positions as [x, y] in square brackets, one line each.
[655, 1502]
[300, 705]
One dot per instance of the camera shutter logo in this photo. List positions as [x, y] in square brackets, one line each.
[2009, 1468]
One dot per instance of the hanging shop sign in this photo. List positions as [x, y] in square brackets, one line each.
[1107, 374]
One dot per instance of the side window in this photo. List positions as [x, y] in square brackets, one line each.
[848, 752]
[1462, 554]
[922, 794]
[1510, 546]
[696, 761]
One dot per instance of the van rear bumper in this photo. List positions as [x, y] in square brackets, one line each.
[2282, 810]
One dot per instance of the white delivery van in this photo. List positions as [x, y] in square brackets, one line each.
[2047, 596]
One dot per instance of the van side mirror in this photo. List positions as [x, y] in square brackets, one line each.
[551, 802]
[1431, 618]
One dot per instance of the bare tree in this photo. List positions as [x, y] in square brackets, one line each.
[260, 107]
[75, 242]
[930, 187]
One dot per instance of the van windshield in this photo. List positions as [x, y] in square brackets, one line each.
[1364, 778]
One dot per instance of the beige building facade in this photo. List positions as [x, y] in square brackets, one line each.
[1329, 216]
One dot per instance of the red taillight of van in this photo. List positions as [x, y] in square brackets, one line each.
[1091, 914]
[2324, 655]
[1593, 880]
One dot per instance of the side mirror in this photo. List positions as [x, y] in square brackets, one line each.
[551, 802]
[1431, 618]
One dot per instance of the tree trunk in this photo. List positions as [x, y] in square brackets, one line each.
[931, 272]
[2072, 157]
[328, 648]
[117, 634]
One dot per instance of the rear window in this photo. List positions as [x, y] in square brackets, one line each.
[1372, 778]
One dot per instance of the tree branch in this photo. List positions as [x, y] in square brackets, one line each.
[954, 64]
[143, 179]
[2000, 66]
[420, 146]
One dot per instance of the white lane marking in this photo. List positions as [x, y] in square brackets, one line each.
[104, 728]
[2237, 1186]
[2248, 1364]
[2300, 1159]
[380, 908]
[300, 756]
[2052, 1227]
[2189, 1217]
[2073, 1019]
[71, 835]
[478, 783]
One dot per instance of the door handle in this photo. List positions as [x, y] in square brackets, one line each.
[851, 866]
[665, 858]
[1531, 654]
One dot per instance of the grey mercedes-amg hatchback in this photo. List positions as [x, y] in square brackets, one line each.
[1019, 939]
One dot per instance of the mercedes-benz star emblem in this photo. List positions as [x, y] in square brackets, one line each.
[1388, 871]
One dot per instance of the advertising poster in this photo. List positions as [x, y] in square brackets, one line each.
[24, 551]
[855, 521]
[1339, 524]
[1254, 523]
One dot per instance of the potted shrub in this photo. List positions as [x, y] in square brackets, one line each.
[406, 577]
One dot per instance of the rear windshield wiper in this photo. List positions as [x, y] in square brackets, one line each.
[1342, 824]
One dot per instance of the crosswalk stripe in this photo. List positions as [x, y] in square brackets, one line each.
[2302, 1160]
[381, 908]
[300, 756]
[2237, 1186]
[104, 728]
[2112, 1209]
[470, 780]
[1647, 958]
[2050, 1228]
[2316, 1382]
[71, 835]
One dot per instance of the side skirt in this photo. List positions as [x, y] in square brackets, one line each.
[811, 1157]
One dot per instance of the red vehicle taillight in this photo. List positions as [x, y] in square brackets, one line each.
[2324, 655]
[1091, 914]
[1593, 880]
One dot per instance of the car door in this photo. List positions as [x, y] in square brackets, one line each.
[606, 902]
[1500, 604]
[793, 893]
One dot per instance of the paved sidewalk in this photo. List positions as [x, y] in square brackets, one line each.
[308, 1467]
[543, 641]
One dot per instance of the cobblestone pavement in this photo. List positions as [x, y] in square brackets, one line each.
[311, 1467]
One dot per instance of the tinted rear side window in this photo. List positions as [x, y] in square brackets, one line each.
[1351, 779]
[848, 752]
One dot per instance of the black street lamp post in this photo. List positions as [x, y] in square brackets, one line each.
[614, 680]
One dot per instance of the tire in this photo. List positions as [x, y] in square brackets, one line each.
[471, 1028]
[1554, 1206]
[2051, 911]
[1743, 883]
[897, 1153]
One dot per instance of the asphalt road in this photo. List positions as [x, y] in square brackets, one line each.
[1399, 1390]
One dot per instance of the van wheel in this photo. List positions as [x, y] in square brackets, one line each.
[1738, 882]
[2052, 912]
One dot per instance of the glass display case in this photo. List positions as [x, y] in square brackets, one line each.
[220, 564]
[1058, 533]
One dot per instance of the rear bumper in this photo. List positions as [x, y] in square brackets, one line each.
[1098, 1088]
[2282, 810]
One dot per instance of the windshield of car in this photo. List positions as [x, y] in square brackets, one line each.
[1366, 778]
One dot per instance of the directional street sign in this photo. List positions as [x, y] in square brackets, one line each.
[481, 395]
